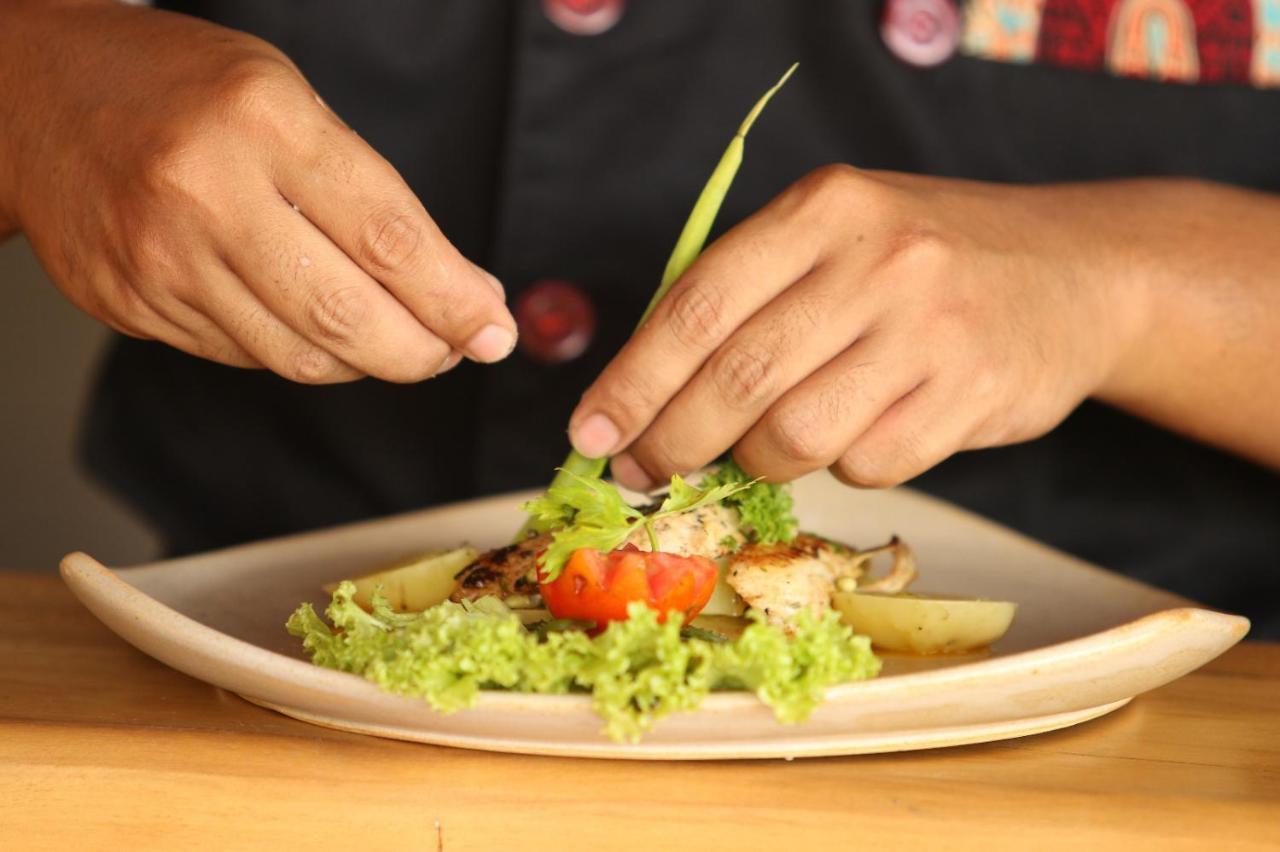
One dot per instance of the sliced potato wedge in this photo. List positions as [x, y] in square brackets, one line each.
[724, 600]
[414, 584]
[915, 624]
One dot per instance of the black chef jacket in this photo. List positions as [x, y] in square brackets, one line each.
[544, 154]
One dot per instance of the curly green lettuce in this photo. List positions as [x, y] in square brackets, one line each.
[586, 511]
[765, 508]
[637, 671]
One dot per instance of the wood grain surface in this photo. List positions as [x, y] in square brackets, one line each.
[102, 747]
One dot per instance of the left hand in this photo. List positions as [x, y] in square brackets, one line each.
[873, 323]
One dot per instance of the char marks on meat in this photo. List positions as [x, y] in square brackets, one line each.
[507, 571]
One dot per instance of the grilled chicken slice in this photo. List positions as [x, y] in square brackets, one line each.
[507, 571]
[711, 531]
[782, 580]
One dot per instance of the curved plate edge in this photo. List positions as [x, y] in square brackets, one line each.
[232, 663]
[853, 744]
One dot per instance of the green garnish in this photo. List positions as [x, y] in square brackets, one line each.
[586, 511]
[765, 508]
[688, 246]
[558, 625]
[637, 671]
[691, 632]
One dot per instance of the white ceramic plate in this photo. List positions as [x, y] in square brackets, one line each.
[1083, 643]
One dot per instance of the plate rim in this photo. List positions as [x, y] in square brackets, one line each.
[88, 578]
[1183, 634]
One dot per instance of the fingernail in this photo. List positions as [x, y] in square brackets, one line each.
[491, 343]
[454, 359]
[630, 474]
[595, 436]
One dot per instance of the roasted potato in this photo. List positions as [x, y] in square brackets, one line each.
[724, 600]
[416, 583]
[915, 624]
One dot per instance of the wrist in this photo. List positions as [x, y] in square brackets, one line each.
[11, 24]
[29, 35]
[1126, 281]
[1108, 280]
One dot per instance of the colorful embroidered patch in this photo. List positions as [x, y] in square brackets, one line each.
[1186, 41]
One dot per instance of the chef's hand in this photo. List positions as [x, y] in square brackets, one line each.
[876, 323]
[181, 181]
[871, 323]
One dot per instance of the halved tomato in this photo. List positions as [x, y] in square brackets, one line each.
[597, 586]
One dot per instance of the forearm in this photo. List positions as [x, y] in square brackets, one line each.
[1195, 264]
[11, 79]
[25, 36]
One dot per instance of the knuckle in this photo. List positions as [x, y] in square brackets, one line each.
[623, 395]
[310, 365]
[177, 180]
[246, 95]
[147, 253]
[808, 314]
[862, 469]
[660, 456]
[121, 299]
[332, 160]
[797, 435]
[744, 375]
[389, 239]
[918, 252]
[410, 370]
[984, 380]
[134, 310]
[339, 315]
[251, 87]
[696, 315]
[114, 301]
[171, 168]
[254, 328]
[835, 178]
[828, 186]
[214, 348]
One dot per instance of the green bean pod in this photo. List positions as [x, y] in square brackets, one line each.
[688, 246]
[696, 228]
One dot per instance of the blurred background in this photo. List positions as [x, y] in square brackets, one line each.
[48, 354]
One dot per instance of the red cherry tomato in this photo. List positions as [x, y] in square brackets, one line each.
[597, 586]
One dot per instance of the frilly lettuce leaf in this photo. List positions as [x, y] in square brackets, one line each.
[637, 671]
[590, 512]
[765, 508]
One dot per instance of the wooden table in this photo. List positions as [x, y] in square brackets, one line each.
[102, 747]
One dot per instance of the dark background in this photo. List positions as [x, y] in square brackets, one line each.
[48, 352]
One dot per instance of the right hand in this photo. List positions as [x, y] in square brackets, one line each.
[182, 182]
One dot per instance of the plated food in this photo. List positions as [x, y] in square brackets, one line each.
[1084, 641]
[600, 596]
[648, 609]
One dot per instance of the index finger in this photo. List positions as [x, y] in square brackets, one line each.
[733, 279]
[363, 205]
